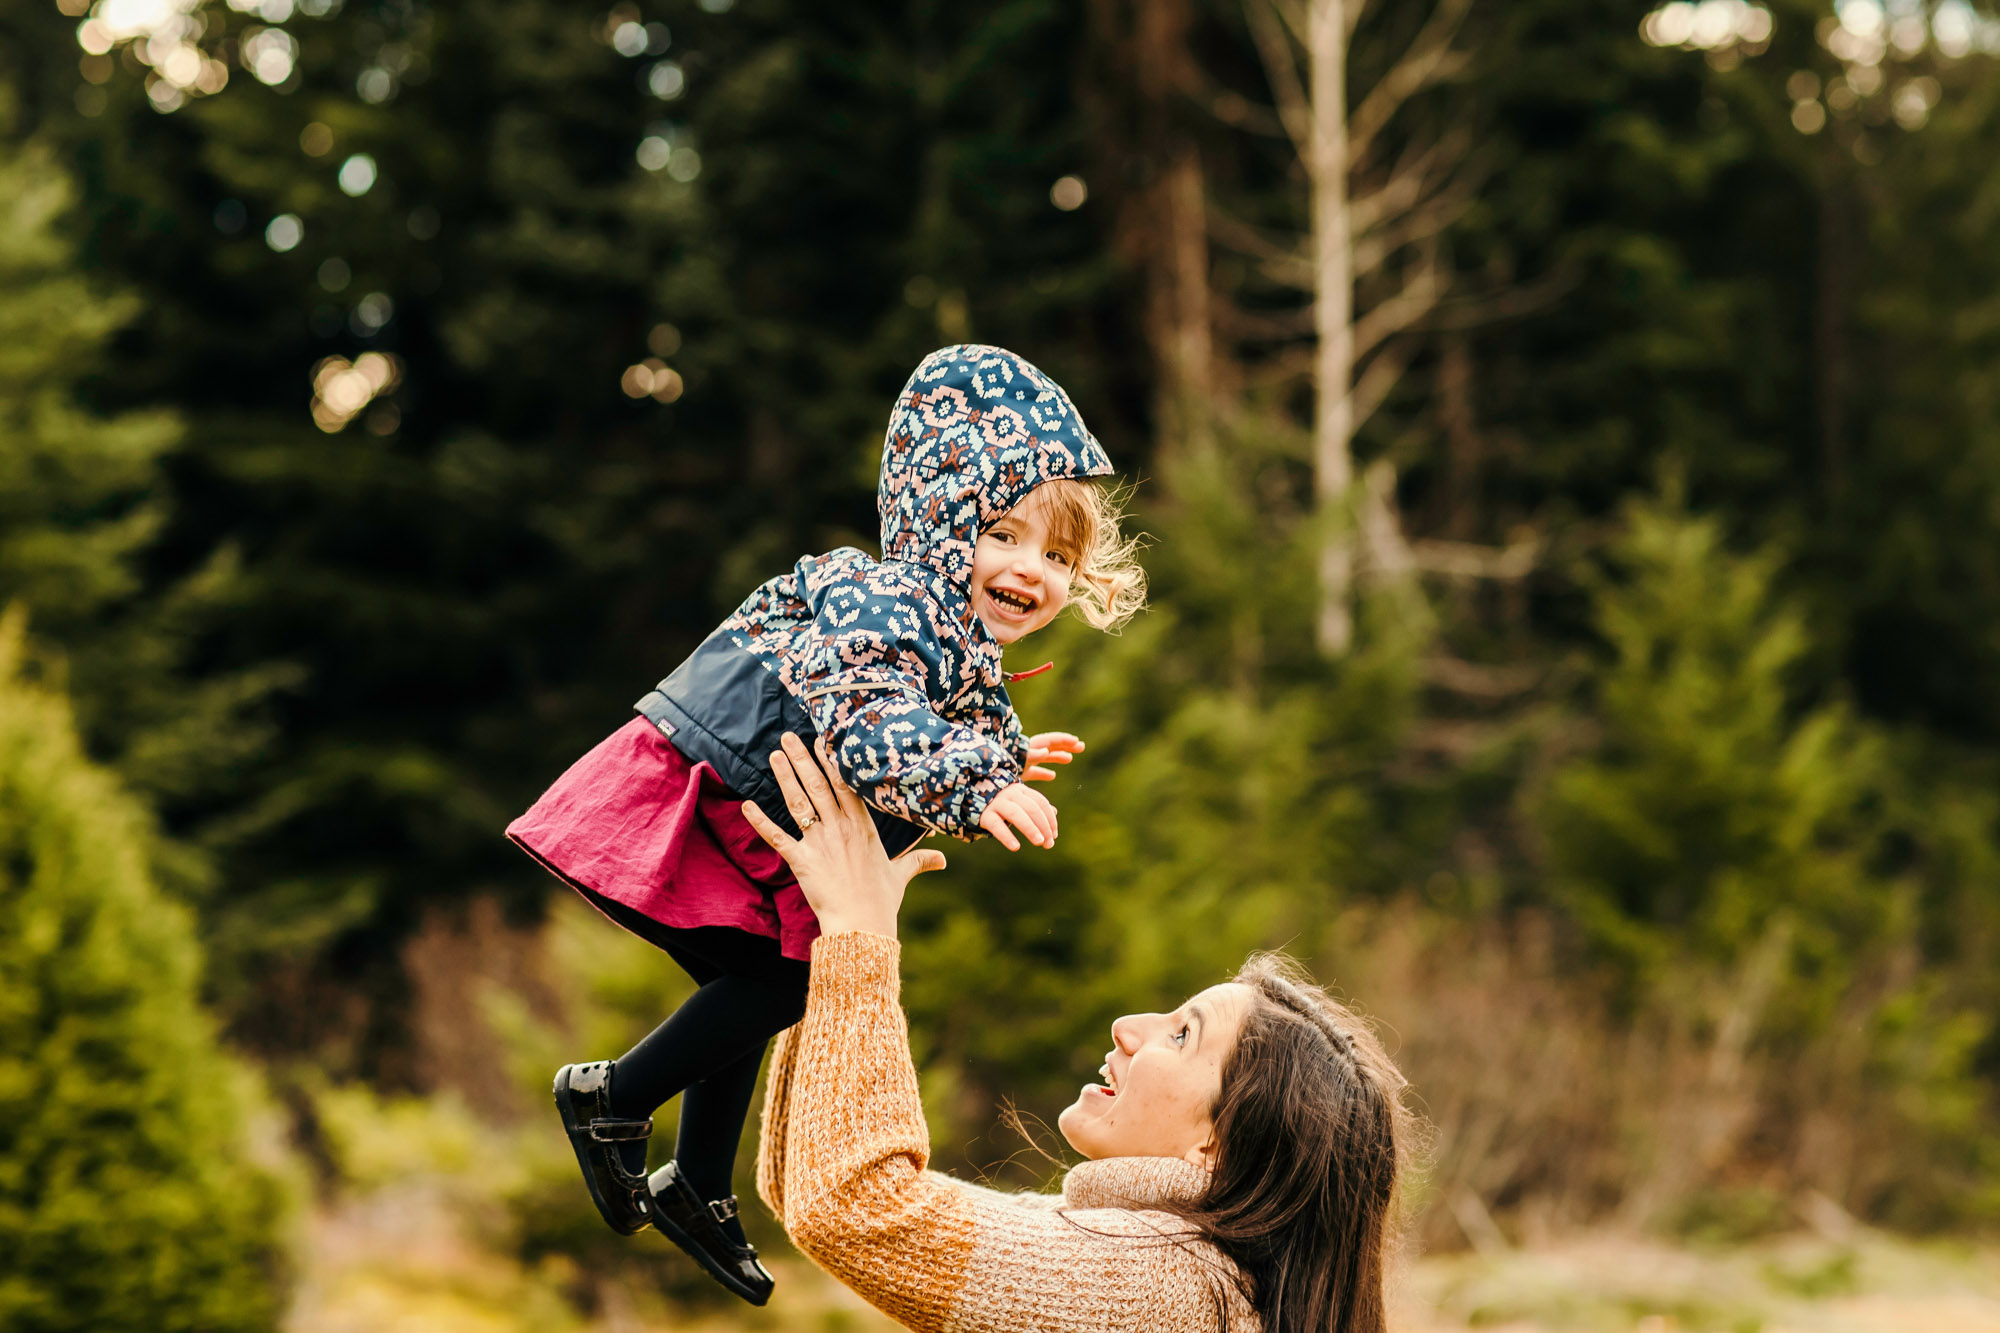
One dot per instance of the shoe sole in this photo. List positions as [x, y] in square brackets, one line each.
[667, 1228]
[577, 1142]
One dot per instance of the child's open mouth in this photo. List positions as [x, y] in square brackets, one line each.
[1019, 604]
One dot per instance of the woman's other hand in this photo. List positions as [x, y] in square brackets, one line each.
[838, 858]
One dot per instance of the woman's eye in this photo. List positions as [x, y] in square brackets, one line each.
[1180, 1038]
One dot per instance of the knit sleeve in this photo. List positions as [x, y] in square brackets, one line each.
[843, 1161]
[876, 665]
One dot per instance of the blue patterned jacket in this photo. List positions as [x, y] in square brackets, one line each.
[885, 658]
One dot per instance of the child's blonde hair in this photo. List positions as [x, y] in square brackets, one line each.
[1108, 587]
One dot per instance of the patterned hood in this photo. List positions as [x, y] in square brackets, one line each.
[974, 430]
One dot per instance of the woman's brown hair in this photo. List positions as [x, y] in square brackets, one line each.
[1311, 1132]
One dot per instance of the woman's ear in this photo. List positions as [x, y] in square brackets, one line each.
[1203, 1154]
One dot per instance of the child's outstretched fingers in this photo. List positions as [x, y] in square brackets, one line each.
[1049, 747]
[994, 823]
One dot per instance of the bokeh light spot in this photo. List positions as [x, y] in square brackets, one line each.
[316, 140]
[1069, 193]
[357, 175]
[666, 80]
[371, 313]
[270, 54]
[342, 388]
[284, 232]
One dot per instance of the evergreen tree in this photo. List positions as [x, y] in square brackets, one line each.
[768, 213]
[1737, 848]
[125, 1196]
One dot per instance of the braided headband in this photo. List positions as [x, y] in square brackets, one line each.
[1295, 1000]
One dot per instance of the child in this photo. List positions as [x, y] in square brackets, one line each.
[989, 527]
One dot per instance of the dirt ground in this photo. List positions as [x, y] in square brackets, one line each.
[397, 1260]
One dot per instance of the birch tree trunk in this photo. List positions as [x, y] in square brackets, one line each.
[1333, 320]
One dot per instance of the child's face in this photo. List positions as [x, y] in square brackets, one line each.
[1019, 579]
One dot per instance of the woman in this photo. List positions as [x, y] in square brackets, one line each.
[1243, 1148]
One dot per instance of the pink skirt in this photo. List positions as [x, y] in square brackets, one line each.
[634, 821]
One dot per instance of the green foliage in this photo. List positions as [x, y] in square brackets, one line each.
[82, 505]
[126, 1199]
[1712, 803]
[1734, 846]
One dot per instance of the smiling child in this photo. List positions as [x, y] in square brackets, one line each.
[991, 525]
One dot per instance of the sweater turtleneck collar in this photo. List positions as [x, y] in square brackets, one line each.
[1133, 1182]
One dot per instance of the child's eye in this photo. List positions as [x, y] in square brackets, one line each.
[1180, 1038]
[1060, 558]
[1000, 535]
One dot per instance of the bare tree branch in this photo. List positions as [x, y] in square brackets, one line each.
[1488, 307]
[1234, 109]
[1417, 224]
[1384, 552]
[1381, 376]
[1424, 168]
[1267, 325]
[1429, 59]
[1420, 294]
[1465, 560]
[1274, 48]
[1246, 239]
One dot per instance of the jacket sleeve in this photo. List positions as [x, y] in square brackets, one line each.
[843, 1161]
[875, 662]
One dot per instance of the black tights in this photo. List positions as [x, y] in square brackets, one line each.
[709, 1049]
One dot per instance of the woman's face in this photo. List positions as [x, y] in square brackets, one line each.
[1162, 1075]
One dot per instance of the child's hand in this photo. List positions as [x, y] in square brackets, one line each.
[1049, 747]
[1027, 810]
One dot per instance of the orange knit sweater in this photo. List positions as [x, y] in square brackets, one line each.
[843, 1166]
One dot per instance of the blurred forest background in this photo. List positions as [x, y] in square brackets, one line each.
[1569, 435]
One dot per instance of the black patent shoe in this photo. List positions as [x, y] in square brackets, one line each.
[695, 1226]
[583, 1095]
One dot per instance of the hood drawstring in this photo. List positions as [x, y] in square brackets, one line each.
[1012, 676]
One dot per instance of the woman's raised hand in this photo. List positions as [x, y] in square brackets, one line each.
[838, 859]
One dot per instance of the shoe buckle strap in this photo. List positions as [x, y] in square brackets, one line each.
[619, 1131]
[722, 1209]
